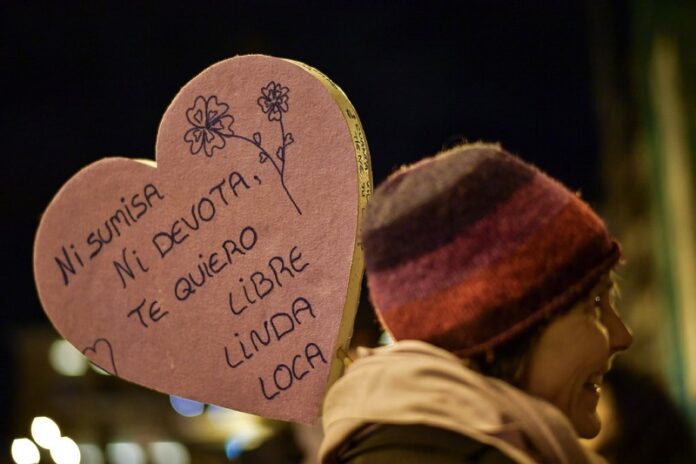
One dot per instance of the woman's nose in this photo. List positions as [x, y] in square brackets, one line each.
[620, 336]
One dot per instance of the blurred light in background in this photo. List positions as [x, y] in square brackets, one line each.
[187, 408]
[234, 447]
[98, 369]
[168, 452]
[125, 453]
[245, 431]
[45, 432]
[91, 454]
[24, 451]
[221, 417]
[235, 423]
[65, 451]
[66, 359]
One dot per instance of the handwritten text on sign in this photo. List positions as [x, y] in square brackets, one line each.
[277, 270]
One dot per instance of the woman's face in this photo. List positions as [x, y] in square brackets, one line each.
[568, 362]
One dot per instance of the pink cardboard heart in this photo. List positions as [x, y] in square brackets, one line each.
[229, 271]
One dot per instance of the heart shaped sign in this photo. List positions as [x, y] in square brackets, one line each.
[228, 271]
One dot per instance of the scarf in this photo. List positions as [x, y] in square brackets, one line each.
[412, 382]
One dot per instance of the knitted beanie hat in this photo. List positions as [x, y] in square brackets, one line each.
[470, 248]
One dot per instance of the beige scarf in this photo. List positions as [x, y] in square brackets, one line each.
[413, 382]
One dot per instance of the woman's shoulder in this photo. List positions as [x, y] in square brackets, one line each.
[417, 444]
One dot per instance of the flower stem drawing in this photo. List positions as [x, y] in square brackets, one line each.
[212, 126]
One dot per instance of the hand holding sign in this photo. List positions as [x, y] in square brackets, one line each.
[229, 271]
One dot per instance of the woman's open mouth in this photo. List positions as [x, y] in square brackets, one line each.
[594, 384]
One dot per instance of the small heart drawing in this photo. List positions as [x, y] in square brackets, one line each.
[102, 357]
[228, 271]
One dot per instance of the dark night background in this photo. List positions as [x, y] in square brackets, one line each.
[85, 81]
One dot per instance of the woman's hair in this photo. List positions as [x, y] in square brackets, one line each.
[508, 362]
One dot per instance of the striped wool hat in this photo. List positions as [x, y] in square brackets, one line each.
[470, 248]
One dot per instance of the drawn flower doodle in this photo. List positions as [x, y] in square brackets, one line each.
[211, 125]
[274, 101]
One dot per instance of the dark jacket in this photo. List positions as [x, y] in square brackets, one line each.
[417, 444]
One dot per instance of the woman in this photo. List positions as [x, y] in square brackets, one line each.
[495, 280]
